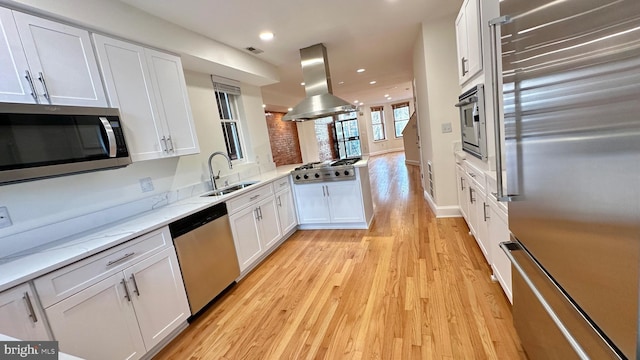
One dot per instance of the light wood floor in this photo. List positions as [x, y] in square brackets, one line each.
[410, 287]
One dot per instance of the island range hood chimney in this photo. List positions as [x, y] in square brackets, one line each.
[320, 102]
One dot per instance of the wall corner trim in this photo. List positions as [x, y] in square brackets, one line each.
[442, 211]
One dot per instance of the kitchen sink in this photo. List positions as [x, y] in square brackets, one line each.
[230, 189]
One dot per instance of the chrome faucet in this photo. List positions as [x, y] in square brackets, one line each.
[214, 177]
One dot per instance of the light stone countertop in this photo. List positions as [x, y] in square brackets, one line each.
[28, 266]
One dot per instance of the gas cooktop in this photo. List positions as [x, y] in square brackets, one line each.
[330, 170]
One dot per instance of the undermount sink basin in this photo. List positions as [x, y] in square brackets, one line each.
[230, 189]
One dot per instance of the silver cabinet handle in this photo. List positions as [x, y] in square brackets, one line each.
[260, 212]
[111, 136]
[279, 202]
[472, 175]
[471, 198]
[32, 313]
[135, 284]
[255, 214]
[44, 86]
[511, 246]
[126, 290]
[164, 144]
[495, 81]
[170, 144]
[254, 197]
[327, 190]
[324, 194]
[125, 256]
[486, 215]
[463, 62]
[33, 88]
[462, 183]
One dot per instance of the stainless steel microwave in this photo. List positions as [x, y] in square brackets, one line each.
[472, 122]
[41, 141]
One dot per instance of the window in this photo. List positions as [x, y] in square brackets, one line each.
[400, 117]
[228, 98]
[377, 122]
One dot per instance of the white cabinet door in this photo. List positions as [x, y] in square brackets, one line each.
[463, 191]
[128, 82]
[98, 322]
[311, 202]
[62, 62]
[345, 201]
[286, 211]
[20, 316]
[158, 296]
[269, 223]
[481, 225]
[14, 69]
[170, 91]
[244, 226]
[474, 36]
[472, 195]
[499, 232]
[468, 38]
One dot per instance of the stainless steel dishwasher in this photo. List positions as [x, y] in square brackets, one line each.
[206, 253]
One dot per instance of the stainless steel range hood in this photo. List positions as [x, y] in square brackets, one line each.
[320, 102]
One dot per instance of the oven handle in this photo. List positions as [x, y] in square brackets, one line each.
[467, 101]
[111, 137]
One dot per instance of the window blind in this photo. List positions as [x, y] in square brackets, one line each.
[228, 86]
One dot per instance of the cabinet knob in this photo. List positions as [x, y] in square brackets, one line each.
[346, 172]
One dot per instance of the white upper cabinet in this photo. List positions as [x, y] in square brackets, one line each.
[150, 90]
[61, 63]
[14, 69]
[468, 36]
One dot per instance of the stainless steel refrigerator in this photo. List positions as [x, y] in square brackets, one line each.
[570, 73]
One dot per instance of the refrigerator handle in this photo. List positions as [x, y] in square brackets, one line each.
[495, 81]
[511, 246]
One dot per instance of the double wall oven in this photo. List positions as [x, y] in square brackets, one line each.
[472, 122]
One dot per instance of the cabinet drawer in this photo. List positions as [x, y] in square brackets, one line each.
[71, 279]
[476, 175]
[240, 202]
[281, 184]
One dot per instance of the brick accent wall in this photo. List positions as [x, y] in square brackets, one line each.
[326, 143]
[283, 136]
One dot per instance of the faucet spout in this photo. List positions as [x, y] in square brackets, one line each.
[214, 177]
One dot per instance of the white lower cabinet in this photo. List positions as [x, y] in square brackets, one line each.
[463, 191]
[21, 316]
[123, 303]
[478, 217]
[286, 211]
[330, 202]
[498, 225]
[255, 225]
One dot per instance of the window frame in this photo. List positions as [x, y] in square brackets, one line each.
[382, 123]
[396, 121]
[233, 108]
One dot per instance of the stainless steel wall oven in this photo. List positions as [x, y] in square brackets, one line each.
[472, 122]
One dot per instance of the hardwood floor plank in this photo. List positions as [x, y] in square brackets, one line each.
[410, 287]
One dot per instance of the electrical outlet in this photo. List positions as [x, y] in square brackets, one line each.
[146, 184]
[446, 128]
[5, 220]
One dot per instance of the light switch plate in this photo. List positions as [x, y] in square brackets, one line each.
[146, 184]
[5, 220]
[446, 128]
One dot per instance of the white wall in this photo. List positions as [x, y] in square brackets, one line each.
[437, 90]
[39, 203]
[391, 143]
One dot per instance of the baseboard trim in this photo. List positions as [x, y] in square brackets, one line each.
[382, 152]
[412, 162]
[442, 211]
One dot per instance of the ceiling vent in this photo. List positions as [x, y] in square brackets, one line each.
[254, 50]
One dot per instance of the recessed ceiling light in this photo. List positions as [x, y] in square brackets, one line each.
[355, 101]
[266, 36]
[360, 70]
[302, 83]
[289, 109]
[341, 82]
[264, 106]
[386, 95]
[361, 103]
[389, 98]
[372, 82]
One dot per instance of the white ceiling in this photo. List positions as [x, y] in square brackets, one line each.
[377, 35]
